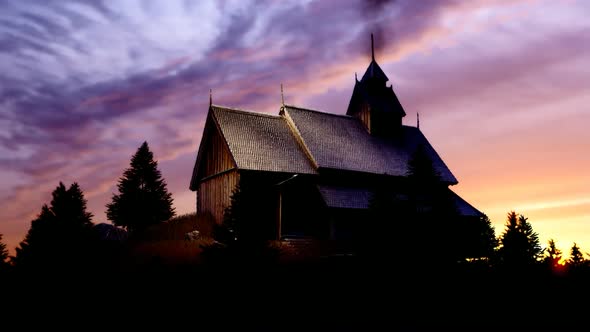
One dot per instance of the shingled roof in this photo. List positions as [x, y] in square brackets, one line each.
[359, 198]
[341, 142]
[306, 141]
[345, 197]
[260, 141]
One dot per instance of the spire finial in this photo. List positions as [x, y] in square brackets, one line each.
[282, 96]
[372, 48]
[355, 77]
[417, 120]
[210, 97]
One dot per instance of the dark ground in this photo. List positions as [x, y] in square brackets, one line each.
[312, 297]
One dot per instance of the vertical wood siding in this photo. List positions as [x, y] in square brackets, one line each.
[214, 194]
[219, 176]
[217, 157]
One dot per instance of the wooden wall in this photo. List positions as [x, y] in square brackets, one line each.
[217, 174]
[213, 194]
[216, 158]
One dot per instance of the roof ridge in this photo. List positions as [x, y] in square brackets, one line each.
[245, 112]
[318, 111]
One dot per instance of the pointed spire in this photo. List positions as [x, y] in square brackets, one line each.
[282, 96]
[374, 71]
[417, 120]
[355, 77]
[210, 97]
[372, 48]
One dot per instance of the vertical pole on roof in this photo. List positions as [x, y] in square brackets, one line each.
[372, 48]
[282, 96]
[210, 97]
[417, 120]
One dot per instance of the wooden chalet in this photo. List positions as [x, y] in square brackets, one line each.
[316, 171]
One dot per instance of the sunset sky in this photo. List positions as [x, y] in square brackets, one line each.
[502, 88]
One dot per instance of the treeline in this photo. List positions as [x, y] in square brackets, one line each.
[63, 237]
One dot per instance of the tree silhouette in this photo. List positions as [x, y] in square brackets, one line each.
[61, 235]
[242, 236]
[576, 260]
[480, 239]
[552, 256]
[421, 170]
[3, 255]
[519, 243]
[533, 248]
[143, 199]
[394, 216]
[231, 228]
[434, 211]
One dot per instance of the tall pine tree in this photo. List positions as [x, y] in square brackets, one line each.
[520, 247]
[61, 235]
[533, 248]
[552, 255]
[395, 217]
[143, 199]
[243, 236]
[3, 255]
[421, 169]
[576, 259]
[480, 239]
[434, 212]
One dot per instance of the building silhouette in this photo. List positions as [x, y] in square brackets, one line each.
[315, 172]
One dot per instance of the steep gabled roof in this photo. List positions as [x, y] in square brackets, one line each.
[341, 142]
[260, 142]
[303, 141]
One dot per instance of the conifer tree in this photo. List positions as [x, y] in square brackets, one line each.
[481, 239]
[533, 248]
[242, 234]
[488, 236]
[3, 255]
[241, 219]
[394, 217]
[385, 211]
[552, 255]
[421, 169]
[520, 245]
[143, 199]
[576, 259]
[61, 234]
[229, 230]
[434, 211]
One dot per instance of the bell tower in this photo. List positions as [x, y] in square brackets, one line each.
[374, 103]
